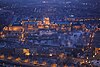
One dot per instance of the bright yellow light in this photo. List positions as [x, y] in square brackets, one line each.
[22, 35]
[82, 62]
[25, 50]
[27, 54]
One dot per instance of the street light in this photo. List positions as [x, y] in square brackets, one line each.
[93, 56]
[50, 54]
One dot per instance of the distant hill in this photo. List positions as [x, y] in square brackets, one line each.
[55, 8]
[51, 1]
[4, 14]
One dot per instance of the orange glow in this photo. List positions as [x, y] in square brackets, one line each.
[22, 35]
[97, 50]
[35, 62]
[13, 28]
[17, 28]
[77, 27]
[25, 50]
[46, 26]
[27, 54]
[1, 33]
[10, 57]
[26, 61]
[41, 26]
[5, 28]
[46, 21]
[54, 65]
[2, 57]
[65, 66]
[18, 59]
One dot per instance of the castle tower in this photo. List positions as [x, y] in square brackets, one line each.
[46, 21]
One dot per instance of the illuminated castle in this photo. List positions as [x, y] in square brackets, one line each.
[30, 25]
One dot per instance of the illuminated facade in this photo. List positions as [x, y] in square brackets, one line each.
[13, 28]
[30, 25]
[46, 21]
[97, 50]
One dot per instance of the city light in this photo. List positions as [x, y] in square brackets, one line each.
[50, 54]
[10, 57]
[49, 33]
[2, 56]
[18, 59]
[26, 60]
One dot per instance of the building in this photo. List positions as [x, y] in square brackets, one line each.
[30, 25]
[46, 21]
[13, 27]
[97, 49]
[62, 25]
